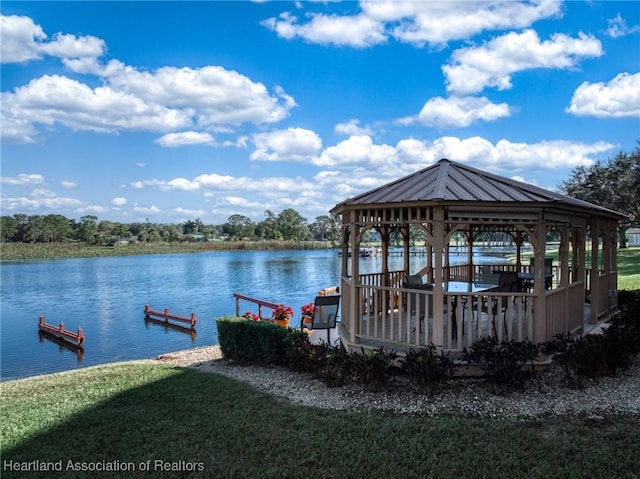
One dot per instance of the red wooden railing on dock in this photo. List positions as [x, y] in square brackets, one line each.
[60, 332]
[166, 315]
[261, 304]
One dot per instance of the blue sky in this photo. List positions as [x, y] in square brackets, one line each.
[170, 111]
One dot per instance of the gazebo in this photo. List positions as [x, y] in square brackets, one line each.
[462, 302]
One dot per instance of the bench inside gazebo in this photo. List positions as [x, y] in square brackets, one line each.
[459, 303]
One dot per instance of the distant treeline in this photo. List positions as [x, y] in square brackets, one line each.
[37, 251]
[288, 226]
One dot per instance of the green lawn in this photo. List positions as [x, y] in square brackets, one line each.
[629, 268]
[129, 415]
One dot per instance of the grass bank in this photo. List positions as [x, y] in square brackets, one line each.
[36, 251]
[131, 415]
[628, 266]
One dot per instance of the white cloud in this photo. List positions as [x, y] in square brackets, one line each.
[181, 184]
[357, 149]
[208, 183]
[75, 51]
[352, 127]
[42, 202]
[91, 210]
[358, 164]
[617, 99]
[411, 22]
[618, 27]
[241, 202]
[20, 39]
[23, 179]
[504, 158]
[292, 144]
[491, 65]
[16, 130]
[172, 140]
[150, 210]
[458, 112]
[120, 201]
[214, 96]
[130, 99]
[58, 99]
[68, 184]
[187, 213]
[355, 31]
[23, 40]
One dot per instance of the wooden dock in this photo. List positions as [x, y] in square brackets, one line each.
[60, 332]
[167, 316]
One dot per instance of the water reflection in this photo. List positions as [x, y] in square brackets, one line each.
[43, 336]
[169, 327]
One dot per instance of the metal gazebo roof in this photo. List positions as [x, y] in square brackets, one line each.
[451, 182]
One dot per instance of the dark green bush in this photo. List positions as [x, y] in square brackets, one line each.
[255, 341]
[331, 364]
[427, 369]
[629, 301]
[506, 365]
[594, 355]
[373, 368]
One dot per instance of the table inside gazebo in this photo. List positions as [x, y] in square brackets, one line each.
[467, 287]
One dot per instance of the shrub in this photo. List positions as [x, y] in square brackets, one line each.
[250, 341]
[373, 368]
[427, 370]
[298, 351]
[594, 355]
[505, 364]
[629, 301]
[330, 364]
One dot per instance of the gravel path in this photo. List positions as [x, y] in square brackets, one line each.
[608, 396]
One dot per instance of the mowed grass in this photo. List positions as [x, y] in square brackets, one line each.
[205, 425]
[629, 268]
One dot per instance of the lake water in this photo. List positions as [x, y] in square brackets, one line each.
[107, 296]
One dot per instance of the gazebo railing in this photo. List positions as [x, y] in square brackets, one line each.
[561, 316]
[403, 318]
[388, 314]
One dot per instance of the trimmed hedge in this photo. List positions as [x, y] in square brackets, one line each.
[262, 342]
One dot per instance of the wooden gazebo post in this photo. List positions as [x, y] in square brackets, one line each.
[540, 308]
[354, 296]
[438, 277]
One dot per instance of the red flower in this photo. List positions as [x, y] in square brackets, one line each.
[282, 312]
[308, 309]
[251, 316]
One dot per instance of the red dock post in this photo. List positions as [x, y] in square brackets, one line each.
[167, 315]
[61, 332]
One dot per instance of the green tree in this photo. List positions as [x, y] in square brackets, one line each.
[171, 233]
[239, 227]
[35, 229]
[89, 229]
[57, 228]
[292, 225]
[192, 227]
[325, 228]
[614, 185]
[8, 228]
[268, 228]
[21, 222]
